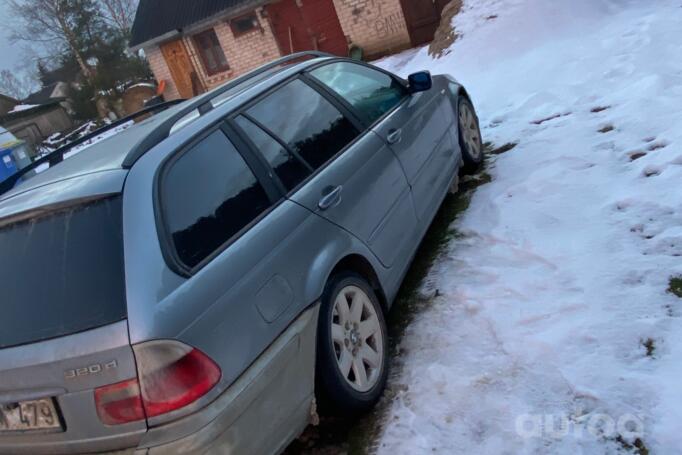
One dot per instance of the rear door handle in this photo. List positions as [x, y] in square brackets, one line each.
[394, 136]
[331, 198]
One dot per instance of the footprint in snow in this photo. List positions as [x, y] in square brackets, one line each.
[667, 246]
[551, 117]
[637, 154]
[652, 171]
[658, 145]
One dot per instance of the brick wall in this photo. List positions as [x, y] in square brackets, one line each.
[378, 26]
[243, 54]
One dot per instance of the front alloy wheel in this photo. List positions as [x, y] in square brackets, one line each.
[469, 135]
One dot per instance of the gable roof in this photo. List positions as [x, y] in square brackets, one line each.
[42, 96]
[156, 18]
[9, 99]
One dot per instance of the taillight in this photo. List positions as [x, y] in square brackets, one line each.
[119, 403]
[171, 375]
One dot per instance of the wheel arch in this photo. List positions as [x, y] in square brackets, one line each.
[463, 92]
[357, 263]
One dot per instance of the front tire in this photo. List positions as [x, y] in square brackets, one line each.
[352, 347]
[469, 135]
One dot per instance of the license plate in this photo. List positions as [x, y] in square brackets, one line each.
[37, 415]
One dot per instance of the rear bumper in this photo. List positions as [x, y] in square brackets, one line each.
[262, 412]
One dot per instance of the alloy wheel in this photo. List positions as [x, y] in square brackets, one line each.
[471, 134]
[358, 339]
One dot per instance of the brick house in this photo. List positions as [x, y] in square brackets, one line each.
[196, 45]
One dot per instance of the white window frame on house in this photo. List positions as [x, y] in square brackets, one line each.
[213, 53]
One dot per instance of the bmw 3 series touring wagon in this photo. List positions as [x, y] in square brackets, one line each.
[197, 282]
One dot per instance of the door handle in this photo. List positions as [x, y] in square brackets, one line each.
[331, 198]
[394, 136]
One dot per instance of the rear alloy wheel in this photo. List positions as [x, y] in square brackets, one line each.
[352, 346]
[469, 135]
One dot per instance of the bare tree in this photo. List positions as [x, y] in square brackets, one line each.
[120, 13]
[49, 22]
[13, 86]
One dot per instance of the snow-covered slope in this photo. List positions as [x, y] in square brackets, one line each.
[553, 298]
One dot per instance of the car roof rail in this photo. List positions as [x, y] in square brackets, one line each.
[203, 104]
[57, 156]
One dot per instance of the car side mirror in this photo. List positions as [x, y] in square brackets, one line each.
[420, 82]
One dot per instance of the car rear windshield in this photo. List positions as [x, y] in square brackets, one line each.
[61, 272]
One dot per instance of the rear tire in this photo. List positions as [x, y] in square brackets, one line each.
[352, 346]
[469, 136]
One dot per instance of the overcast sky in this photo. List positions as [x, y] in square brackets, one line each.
[9, 54]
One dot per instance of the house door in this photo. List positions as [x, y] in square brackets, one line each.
[423, 19]
[180, 67]
[303, 25]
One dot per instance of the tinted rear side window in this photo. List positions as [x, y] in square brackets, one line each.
[209, 195]
[288, 168]
[370, 91]
[305, 121]
[62, 273]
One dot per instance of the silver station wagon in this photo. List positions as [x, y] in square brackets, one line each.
[200, 281]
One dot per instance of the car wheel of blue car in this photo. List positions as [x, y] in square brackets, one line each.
[352, 362]
[469, 135]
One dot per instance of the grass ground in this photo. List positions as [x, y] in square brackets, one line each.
[676, 286]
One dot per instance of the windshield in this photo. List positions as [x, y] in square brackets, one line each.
[61, 272]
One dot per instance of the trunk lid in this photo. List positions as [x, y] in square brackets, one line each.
[63, 329]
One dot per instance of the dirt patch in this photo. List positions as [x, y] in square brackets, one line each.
[551, 117]
[634, 156]
[657, 146]
[675, 286]
[638, 447]
[446, 34]
[500, 150]
[650, 346]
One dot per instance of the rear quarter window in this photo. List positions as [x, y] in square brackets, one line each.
[208, 196]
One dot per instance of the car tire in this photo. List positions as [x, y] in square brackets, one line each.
[470, 139]
[352, 366]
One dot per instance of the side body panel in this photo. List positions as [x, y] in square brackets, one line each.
[375, 202]
[243, 300]
[425, 149]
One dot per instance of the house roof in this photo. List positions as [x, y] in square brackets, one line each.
[156, 18]
[42, 96]
[9, 98]
[30, 112]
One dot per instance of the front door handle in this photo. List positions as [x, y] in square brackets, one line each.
[331, 198]
[394, 136]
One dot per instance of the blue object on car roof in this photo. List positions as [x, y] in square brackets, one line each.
[13, 155]
[7, 165]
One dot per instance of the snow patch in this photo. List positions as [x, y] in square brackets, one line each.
[23, 107]
[553, 299]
